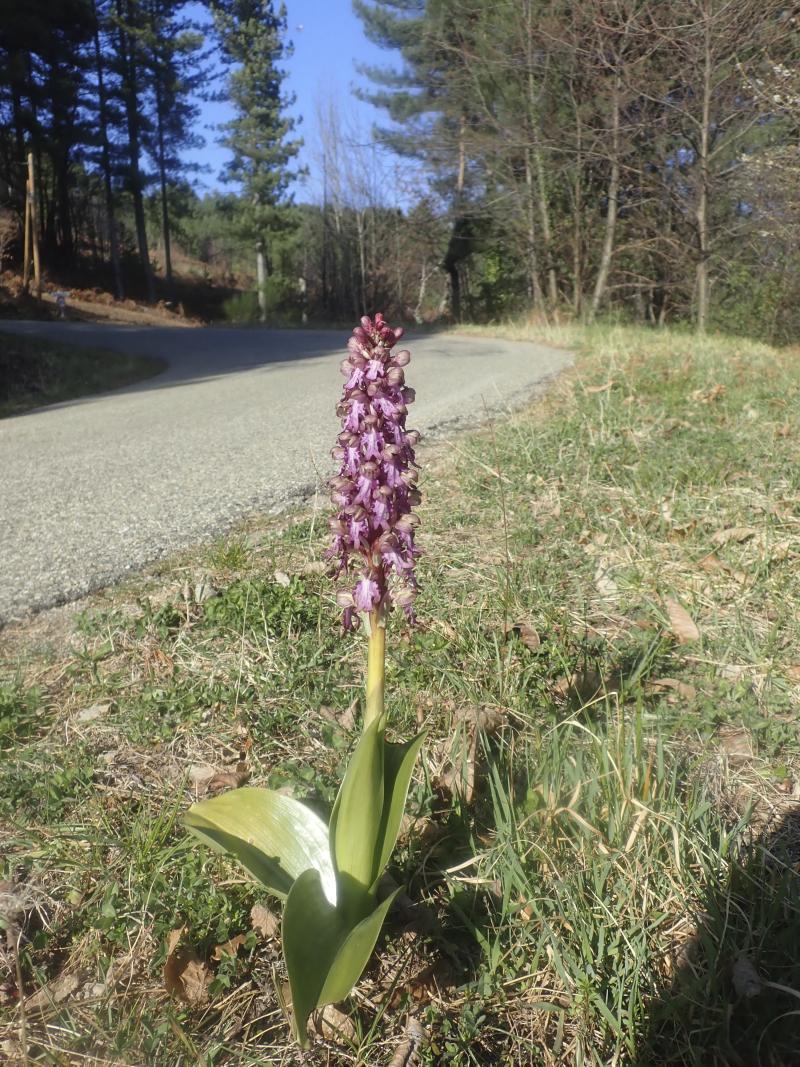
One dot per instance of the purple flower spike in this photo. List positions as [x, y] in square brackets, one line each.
[374, 488]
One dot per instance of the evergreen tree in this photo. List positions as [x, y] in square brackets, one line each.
[251, 33]
[172, 60]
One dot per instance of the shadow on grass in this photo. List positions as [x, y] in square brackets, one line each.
[735, 997]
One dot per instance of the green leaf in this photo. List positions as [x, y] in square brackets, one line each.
[325, 951]
[274, 837]
[398, 766]
[357, 814]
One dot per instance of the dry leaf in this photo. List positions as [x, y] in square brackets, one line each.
[282, 578]
[792, 672]
[315, 566]
[186, 976]
[599, 388]
[96, 711]
[265, 923]
[408, 1052]
[603, 582]
[200, 774]
[681, 689]
[736, 743]
[782, 550]
[712, 564]
[734, 672]
[734, 533]
[230, 948]
[63, 986]
[747, 982]
[525, 632]
[332, 1025]
[229, 779]
[460, 773]
[585, 685]
[345, 719]
[707, 396]
[681, 622]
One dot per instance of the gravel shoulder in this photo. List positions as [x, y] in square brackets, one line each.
[240, 421]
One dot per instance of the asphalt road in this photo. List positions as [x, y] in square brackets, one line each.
[242, 420]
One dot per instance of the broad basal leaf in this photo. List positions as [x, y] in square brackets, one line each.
[325, 950]
[357, 814]
[398, 766]
[274, 837]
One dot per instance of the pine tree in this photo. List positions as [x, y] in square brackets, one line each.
[171, 49]
[251, 33]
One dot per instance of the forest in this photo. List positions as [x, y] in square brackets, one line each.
[615, 158]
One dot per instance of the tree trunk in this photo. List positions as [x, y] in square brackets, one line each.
[455, 290]
[162, 177]
[105, 153]
[130, 95]
[701, 214]
[541, 181]
[261, 281]
[611, 212]
[534, 285]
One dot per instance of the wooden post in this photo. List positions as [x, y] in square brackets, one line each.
[26, 269]
[37, 267]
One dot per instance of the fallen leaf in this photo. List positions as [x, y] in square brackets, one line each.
[603, 582]
[460, 774]
[95, 711]
[186, 976]
[584, 685]
[407, 1053]
[792, 672]
[734, 533]
[712, 564]
[265, 922]
[782, 550]
[525, 632]
[681, 689]
[282, 578]
[345, 719]
[736, 742]
[229, 779]
[599, 388]
[63, 986]
[332, 1025]
[734, 672]
[681, 622]
[747, 982]
[229, 948]
[200, 774]
[707, 396]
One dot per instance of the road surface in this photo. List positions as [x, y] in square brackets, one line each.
[242, 420]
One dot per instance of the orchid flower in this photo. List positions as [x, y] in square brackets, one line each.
[328, 875]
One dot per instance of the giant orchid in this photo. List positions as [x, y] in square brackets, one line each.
[328, 875]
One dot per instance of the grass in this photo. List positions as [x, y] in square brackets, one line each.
[35, 372]
[621, 884]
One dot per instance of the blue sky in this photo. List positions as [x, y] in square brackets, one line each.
[328, 42]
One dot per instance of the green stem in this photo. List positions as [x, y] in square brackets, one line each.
[375, 669]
